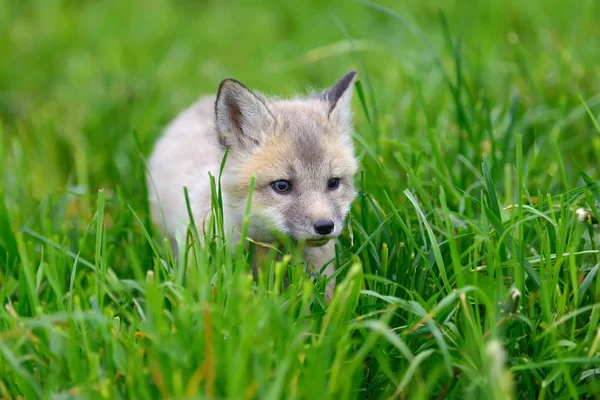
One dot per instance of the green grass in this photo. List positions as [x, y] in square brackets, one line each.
[464, 272]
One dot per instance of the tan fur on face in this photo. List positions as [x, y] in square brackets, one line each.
[306, 148]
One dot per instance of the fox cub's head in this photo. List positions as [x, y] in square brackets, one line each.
[301, 154]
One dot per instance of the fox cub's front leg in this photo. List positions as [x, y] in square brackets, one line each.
[316, 257]
[320, 256]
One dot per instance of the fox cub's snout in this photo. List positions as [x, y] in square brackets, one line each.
[301, 155]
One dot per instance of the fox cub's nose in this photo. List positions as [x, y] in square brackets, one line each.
[324, 226]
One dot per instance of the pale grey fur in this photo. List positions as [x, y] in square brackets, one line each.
[310, 141]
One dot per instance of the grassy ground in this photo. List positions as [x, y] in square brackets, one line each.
[464, 271]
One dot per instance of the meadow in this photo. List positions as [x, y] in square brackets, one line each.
[464, 270]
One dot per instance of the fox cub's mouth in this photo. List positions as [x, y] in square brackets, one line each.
[317, 242]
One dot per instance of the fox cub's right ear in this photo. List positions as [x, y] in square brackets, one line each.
[338, 98]
[242, 118]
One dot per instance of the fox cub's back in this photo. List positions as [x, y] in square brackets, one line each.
[183, 156]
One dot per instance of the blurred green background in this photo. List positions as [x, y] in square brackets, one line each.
[78, 78]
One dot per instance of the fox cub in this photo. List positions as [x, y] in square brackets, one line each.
[299, 151]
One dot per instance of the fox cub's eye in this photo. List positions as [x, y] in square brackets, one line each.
[281, 186]
[333, 183]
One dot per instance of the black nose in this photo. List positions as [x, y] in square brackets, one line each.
[324, 226]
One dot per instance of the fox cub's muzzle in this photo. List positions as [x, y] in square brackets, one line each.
[324, 226]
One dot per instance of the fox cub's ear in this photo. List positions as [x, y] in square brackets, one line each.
[338, 96]
[242, 118]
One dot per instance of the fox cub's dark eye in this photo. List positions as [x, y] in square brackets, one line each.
[281, 186]
[333, 183]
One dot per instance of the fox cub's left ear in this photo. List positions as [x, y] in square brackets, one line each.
[243, 119]
[338, 96]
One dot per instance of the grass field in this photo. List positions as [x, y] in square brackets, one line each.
[464, 272]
